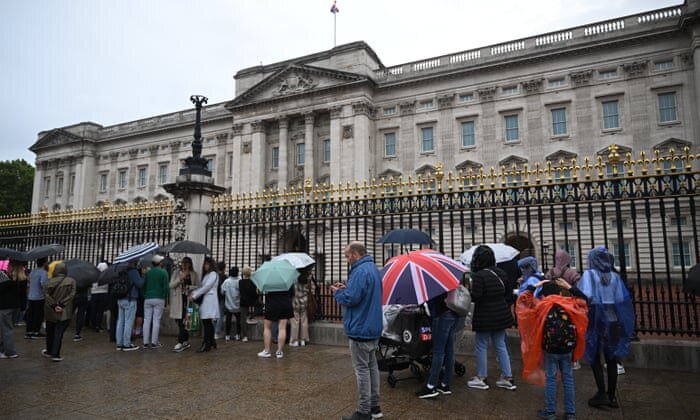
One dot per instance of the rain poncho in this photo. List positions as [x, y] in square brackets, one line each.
[532, 314]
[610, 311]
[531, 275]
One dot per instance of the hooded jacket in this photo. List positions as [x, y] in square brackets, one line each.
[561, 268]
[59, 291]
[362, 301]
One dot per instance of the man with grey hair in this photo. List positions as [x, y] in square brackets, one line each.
[361, 299]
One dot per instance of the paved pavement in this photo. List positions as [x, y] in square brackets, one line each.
[315, 382]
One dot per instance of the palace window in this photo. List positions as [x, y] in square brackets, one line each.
[427, 139]
[681, 254]
[103, 183]
[59, 186]
[389, 144]
[390, 111]
[616, 253]
[509, 90]
[663, 65]
[512, 128]
[71, 184]
[466, 97]
[122, 179]
[47, 186]
[142, 177]
[607, 74]
[275, 157]
[301, 150]
[559, 121]
[468, 135]
[553, 83]
[426, 104]
[611, 115]
[210, 164]
[667, 107]
[327, 150]
[163, 173]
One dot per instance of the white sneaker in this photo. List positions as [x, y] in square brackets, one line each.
[620, 369]
[228, 338]
[265, 354]
[294, 344]
[477, 383]
[237, 337]
[506, 384]
[577, 365]
[245, 339]
[302, 343]
[3, 356]
[178, 347]
[279, 354]
[217, 336]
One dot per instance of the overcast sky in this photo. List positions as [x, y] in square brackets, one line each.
[64, 62]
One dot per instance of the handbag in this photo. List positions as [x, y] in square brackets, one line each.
[459, 300]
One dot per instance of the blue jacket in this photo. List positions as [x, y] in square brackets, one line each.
[362, 301]
[137, 282]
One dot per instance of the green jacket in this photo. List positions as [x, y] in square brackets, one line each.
[157, 284]
[59, 291]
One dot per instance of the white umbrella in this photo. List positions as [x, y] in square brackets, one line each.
[502, 252]
[136, 252]
[297, 259]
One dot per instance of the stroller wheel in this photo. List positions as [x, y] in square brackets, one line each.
[391, 379]
[460, 370]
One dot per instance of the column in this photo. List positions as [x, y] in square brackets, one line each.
[37, 193]
[309, 146]
[237, 152]
[361, 133]
[282, 171]
[257, 167]
[153, 173]
[336, 158]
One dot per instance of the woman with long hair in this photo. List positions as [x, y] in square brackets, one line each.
[209, 308]
[300, 304]
[182, 281]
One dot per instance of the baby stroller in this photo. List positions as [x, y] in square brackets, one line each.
[406, 343]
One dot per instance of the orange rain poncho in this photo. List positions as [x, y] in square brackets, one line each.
[532, 313]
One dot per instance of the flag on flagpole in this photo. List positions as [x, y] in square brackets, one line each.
[334, 8]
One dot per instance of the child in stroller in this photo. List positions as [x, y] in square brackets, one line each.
[406, 342]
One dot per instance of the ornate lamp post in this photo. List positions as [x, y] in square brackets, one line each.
[196, 164]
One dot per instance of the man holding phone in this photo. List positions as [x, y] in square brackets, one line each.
[361, 298]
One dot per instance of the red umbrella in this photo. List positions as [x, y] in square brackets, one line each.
[418, 276]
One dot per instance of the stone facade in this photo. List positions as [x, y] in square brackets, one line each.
[341, 115]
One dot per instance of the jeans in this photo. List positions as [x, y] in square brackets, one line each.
[443, 348]
[552, 364]
[499, 343]
[34, 316]
[125, 321]
[7, 324]
[364, 361]
[54, 336]
[152, 312]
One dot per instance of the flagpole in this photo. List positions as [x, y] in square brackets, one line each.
[335, 16]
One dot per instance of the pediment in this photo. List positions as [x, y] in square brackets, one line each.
[560, 155]
[389, 173]
[469, 164]
[426, 170]
[621, 150]
[672, 143]
[295, 80]
[55, 138]
[512, 160]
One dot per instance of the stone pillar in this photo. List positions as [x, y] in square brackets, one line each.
[237, 152]
[361, 141]
[282, 171]
[86, 181]
[153, 172]
[37, 196]
[257, 167]
[696, 68]
[309, 146]
[336, 140]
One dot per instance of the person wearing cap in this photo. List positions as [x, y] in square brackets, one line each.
[99, 299]
[155, 290]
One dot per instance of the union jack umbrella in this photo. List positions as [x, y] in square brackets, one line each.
[419, 276]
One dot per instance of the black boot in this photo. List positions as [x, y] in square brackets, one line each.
[600, 399]
[204, 347]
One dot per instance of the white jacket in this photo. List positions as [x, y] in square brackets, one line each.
[232, 294]
[209, 309]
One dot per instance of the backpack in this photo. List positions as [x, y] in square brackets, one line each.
[559, 336]
[120, 289]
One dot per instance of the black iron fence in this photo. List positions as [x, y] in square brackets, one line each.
[643, 210]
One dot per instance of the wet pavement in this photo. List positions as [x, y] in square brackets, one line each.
[314, 382]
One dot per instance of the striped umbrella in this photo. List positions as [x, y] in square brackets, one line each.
[136, 252]
[419, 276]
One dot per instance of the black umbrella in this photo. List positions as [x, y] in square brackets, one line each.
[186, 247]
[44, 251]
[13, 254]
[111, 274]
[406, 236]
[692, 283]
[83, 272]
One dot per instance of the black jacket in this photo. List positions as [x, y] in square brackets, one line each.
[249, 293]
[491, 307]
[9, 293]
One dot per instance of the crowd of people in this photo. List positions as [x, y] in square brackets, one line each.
[562, 316]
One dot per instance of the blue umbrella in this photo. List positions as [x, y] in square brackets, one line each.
[275, 276]
[136, 252]
[406, 236]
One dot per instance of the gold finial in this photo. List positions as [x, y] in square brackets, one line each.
[439, 175]
[105, 206]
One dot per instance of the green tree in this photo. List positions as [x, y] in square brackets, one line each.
[16, 184]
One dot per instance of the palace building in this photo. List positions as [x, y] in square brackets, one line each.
[343, 115]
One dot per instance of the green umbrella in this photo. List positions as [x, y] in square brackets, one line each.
[275, 276]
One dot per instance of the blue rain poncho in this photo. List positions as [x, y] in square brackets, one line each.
[531, 275]
[610, 311]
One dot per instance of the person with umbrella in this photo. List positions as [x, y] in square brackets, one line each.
[361, 298]
[183, 280]
[209, 308]
[275, 279]
[127, 307]
[35, 300]
[300, 322]
[9, 304]
[59, 292]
